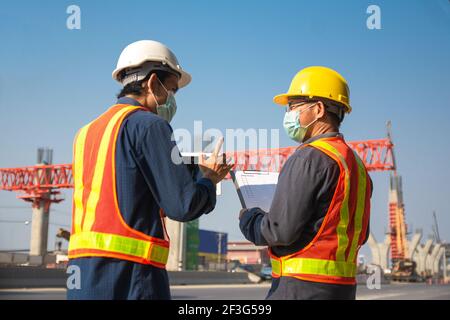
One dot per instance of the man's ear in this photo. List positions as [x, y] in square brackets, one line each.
[321, 110]
[152, 84]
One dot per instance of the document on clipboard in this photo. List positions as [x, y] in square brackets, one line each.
[255, 188]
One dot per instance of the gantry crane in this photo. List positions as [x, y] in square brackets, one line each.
[41, 184]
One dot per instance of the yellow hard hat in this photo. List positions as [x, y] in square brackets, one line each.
[318, 81]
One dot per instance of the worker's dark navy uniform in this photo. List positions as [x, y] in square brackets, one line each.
[146, 176]
[306, 186]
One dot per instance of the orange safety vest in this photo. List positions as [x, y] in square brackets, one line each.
[98, 227]
[331, 256]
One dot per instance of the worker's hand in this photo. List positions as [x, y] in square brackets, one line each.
[216, 166]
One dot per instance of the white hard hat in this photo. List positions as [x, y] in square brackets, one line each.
[139, 52]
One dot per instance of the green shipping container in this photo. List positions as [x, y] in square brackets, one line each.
[192, 244]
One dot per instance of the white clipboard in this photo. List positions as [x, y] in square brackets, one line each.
[255, 188]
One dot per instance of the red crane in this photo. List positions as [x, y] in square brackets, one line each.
[37, 183]
[40, 184]
[34, 181]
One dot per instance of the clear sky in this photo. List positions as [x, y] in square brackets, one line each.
[240, 54]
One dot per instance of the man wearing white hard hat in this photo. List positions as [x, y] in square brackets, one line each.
[128, 177]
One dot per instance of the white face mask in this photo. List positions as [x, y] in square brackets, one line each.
[292, 126]
[167, 110]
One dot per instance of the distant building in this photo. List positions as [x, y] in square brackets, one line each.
[212, 250]
[247, 253]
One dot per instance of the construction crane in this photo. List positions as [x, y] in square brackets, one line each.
[403, 268]
[41, 184]
[435, 228]
[33, 181]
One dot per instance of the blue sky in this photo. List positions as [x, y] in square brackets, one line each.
[240, 54]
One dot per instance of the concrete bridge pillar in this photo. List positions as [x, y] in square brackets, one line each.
[413, 244]
[380, 251]
[432, 257]
[437, 260]
[421, 256]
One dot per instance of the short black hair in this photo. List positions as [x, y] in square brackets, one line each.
[135, 88]
[334, 119]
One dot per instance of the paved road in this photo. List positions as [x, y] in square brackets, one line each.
[253, 292]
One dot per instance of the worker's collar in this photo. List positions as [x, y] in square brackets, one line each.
[324, 135]
[129, 101]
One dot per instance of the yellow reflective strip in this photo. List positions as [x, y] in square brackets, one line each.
[97, 180]
[319, 267]
[110, 242]
[159, 253]
[344, 212]
[360, 208]
[276, 267]
[78, 177]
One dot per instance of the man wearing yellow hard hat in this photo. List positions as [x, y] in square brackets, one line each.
[319, 217]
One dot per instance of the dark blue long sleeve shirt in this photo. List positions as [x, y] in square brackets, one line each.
[146, 180]
[305, 188]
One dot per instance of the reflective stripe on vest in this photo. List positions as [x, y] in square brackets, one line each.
[360, 207]
[78, 177]
[342, 267]
[95, 199]
[145, 250]
[313, 266]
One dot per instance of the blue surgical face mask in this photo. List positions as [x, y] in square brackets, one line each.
[167, 110]
[291, 124]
